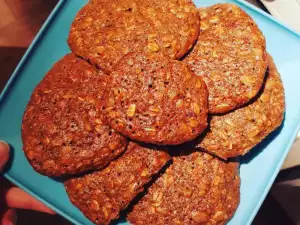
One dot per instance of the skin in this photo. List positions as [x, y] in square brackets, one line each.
[13, 198]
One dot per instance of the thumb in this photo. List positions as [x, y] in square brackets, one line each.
[4, 154]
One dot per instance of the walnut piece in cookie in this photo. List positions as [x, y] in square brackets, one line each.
[155, 100]
[103, 194]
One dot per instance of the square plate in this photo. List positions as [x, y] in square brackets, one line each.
[258, 169]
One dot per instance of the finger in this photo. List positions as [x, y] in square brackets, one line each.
[17, 198]
[4, 154]
[9, 217]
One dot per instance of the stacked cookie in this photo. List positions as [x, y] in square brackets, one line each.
[157, 95]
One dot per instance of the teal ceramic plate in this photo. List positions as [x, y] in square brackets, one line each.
[258, 169]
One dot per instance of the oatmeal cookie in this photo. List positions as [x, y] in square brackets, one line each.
[103, 194]
[155, 100]
[196, 189]
[230, 56]
[239, 131]
[105, 30]
[62, 131]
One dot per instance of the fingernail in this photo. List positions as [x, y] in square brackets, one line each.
[4, 154]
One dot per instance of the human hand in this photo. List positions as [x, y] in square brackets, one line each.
[14, 197]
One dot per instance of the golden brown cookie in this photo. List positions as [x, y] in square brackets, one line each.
[103, 194]
[230, 56]
[62, 132]
[155, 100]
[196, 189]
[239, 131]
[105, 30]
